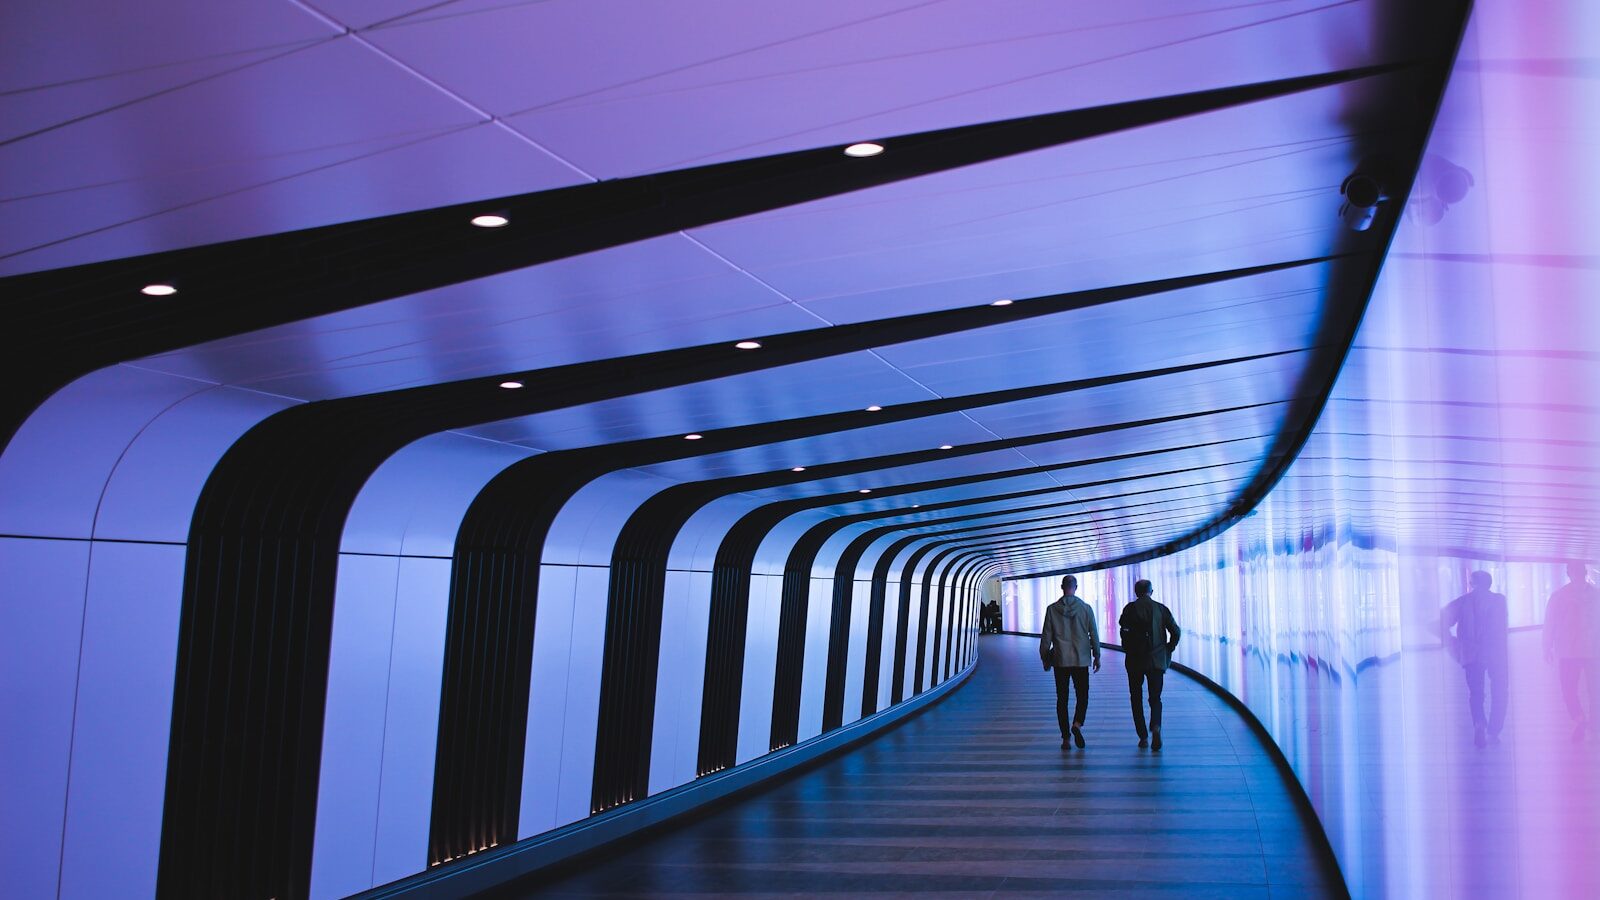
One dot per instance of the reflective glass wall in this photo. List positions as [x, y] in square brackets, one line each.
[1463, 437]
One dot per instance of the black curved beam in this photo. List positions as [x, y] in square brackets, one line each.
[68, 322]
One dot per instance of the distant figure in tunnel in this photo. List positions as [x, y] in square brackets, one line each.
[1479, 645]
[991, 617]
[1068, 643]
[1149, 635]
[1571, 633]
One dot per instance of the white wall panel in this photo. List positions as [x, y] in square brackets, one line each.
[42, 604]
[886, 656]
[583, 695]
[547, 699]
[680, 680]
[415, 501]
[814, 670]
[696, 544]
[856, 658]
[411, 728]
[151, 492]
[353, 723]
[123, 721]
[54, 469]
[760, 667]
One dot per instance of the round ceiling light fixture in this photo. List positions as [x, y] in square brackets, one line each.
[491, 220]
[158, 290]
[947, 446]
[1002, 302]
[863, 150]
[798, 469]
[864, 491]
[693, 437]
[511, 385]
[874, 408]
[748, 345]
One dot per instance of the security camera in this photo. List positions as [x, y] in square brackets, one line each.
[1362, 193]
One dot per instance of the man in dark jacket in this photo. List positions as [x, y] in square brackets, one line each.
[1068, 642]
[1479, 644]
[1149, 635]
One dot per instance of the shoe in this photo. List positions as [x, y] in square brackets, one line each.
[1479, 738]
[1155, 739]
[1077, 736]
[1066, 744]
[1143, 743]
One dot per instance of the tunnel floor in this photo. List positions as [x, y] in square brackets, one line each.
[976, 798]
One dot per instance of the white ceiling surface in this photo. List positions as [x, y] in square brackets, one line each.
[181, 123]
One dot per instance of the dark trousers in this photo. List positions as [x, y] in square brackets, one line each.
[1574, 672]
[1496, 676]
[1068, 677]
[1136, 683]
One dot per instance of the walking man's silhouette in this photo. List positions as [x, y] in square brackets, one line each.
[1149, 635]
[1571, 633]
[1068, 642]
[1479, 644]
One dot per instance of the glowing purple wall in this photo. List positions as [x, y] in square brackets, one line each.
[1461, 436]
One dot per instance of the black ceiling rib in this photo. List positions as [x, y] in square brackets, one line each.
[1437, 30]
[264, 542]
[83, 318]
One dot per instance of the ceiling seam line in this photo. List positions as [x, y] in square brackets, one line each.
[484, 115]
[757, 279]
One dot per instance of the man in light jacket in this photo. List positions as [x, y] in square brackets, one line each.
[1149, 635]
[1068, 642]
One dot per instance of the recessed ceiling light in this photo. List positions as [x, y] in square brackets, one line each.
[798, 469]
[158, 290]
[748, 345]
[947, 447]
[874, 408]
[491, 220]
[916, 506]
[863, 150]
[864, 491]
[1002, 303]
[693, 437]
[511, 385]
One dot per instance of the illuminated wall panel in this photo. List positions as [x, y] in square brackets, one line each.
[1461, 437]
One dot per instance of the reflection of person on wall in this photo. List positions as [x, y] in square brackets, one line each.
[1149, 635]
[1571, 632]
[1068, 642]
[1479, 644]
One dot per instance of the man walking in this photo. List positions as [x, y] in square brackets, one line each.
[1571, 633]
[1149, 635]
[1479, 620]
[1068, 642]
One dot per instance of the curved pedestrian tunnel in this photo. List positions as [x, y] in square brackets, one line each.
[975, 796]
